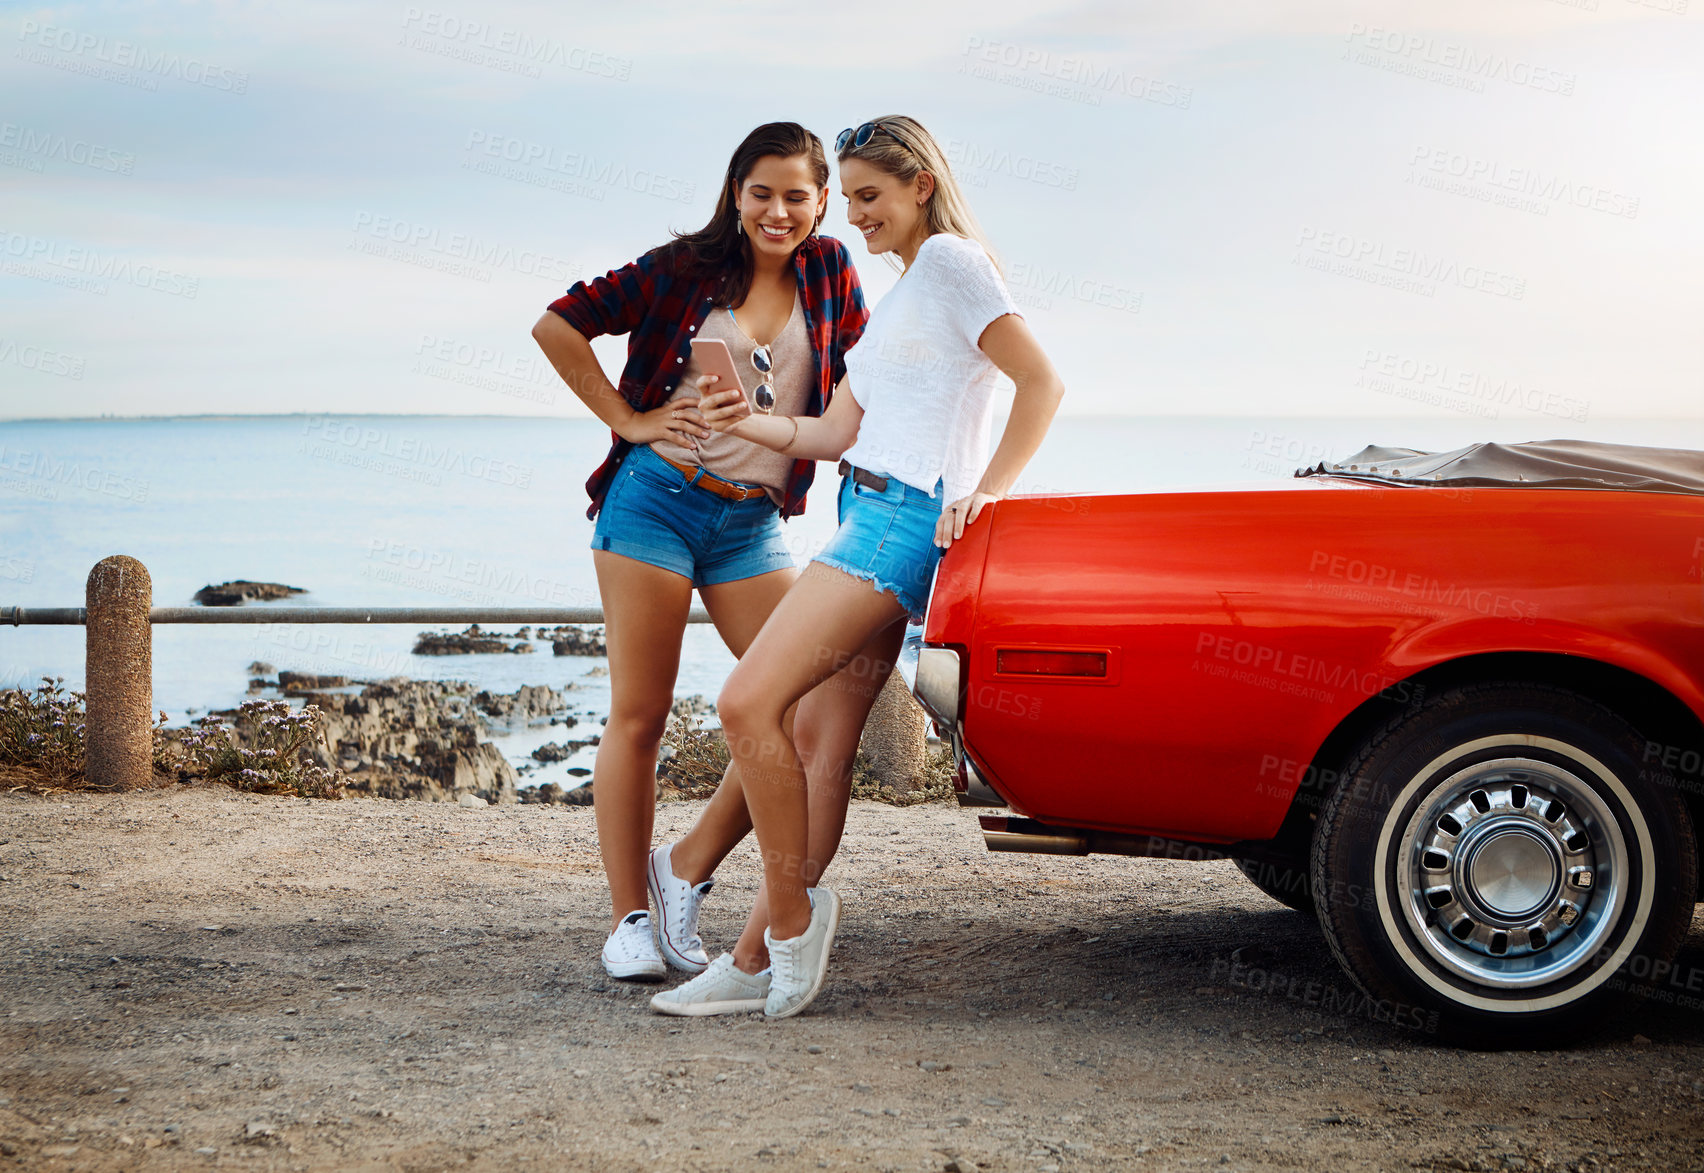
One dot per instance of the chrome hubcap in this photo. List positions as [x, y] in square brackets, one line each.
[1513, 871]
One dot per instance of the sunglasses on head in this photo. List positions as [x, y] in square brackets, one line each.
[861, 136]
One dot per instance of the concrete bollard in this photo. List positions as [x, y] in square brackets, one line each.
[894, 736]
[119, 674]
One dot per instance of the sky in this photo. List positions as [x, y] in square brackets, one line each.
[1348, 208]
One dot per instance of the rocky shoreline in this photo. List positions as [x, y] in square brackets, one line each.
[428, 740]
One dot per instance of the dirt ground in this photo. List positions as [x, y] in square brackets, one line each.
[198, 978]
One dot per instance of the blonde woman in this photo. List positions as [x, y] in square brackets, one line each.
[912, 439]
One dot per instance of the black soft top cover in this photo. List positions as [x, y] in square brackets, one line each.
[1544, 464]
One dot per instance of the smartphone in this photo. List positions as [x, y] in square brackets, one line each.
[714, 358]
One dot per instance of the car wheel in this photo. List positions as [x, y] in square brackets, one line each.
[1495, 865]
[1286, 881]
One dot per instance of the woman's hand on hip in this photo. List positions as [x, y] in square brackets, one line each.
[950, 527]
[678, 423]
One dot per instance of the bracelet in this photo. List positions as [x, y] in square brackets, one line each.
[794, 437]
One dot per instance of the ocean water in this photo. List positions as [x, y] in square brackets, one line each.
[484, 511]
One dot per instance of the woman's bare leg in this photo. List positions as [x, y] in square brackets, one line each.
[822, 624]
[738, 610]
[829, 724]
[645, 610]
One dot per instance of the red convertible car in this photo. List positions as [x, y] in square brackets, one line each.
[1452, 704]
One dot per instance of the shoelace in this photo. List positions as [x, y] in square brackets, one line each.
[686, 912]
[781, 967]
[631, 938]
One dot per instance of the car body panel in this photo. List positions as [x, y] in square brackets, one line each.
[1239, 628]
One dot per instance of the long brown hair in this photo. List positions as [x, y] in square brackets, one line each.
[720, 248]
[908, 149]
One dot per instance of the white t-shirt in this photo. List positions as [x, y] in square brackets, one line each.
[926, 390]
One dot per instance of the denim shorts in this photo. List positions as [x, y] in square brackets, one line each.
[888, 540]
[652, 514]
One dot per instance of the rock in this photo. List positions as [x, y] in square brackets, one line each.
[579, 796]
[417, 739]
[261, 668]
[690, 706]
[467, 798]
[960, 1165]
[525, 703]
[551, 751]
[239, 591]
[550, 792]
[258, 1133]
[468, 642]
[813, 1049]
[570, 640]
[292, 682]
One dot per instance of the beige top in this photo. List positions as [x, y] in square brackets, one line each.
[730, 457]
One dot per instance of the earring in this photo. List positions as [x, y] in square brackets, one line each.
[739, 227]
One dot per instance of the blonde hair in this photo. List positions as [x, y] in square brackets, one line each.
[907, 150]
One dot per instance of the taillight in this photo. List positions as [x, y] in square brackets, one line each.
[1046, 662]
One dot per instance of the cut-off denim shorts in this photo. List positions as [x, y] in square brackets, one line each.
[651, 513]
[888, 540]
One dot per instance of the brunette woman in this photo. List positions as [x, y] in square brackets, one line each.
[680, 507]
[912, 440]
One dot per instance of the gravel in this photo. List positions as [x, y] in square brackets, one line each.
[199, 978]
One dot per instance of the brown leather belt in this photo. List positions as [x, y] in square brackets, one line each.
[864, 477]
[711, 483]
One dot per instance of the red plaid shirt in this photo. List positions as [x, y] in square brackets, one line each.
[661, 312]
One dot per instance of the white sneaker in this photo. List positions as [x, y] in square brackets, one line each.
[677, 912]
[800, 963]
[631, 951]
[721, 989]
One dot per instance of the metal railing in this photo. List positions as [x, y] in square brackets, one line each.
[77, 616]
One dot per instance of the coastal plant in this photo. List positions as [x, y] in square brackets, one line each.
[41, 731]
[266, 751]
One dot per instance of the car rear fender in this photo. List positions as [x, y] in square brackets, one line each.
[1439, 643]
